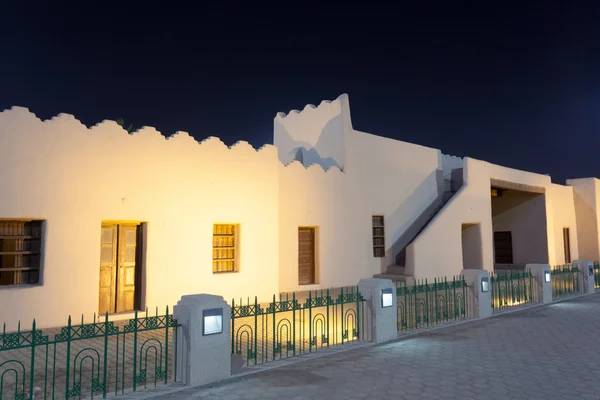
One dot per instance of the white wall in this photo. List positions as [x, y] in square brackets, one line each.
[77, 177]
[74, 178]
[586, 194]
[381, 177]
[561, 214]
[472, 204]
[318, 132]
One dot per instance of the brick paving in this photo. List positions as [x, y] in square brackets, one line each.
[541, 353]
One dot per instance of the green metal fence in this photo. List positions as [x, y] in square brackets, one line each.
[305, 323]
[596, 275]
[425, 304]
[511, 289]
[87, 360]
[565, 281]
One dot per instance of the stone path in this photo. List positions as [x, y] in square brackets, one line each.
[544, 353]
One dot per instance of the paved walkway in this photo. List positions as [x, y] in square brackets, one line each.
[545, 353]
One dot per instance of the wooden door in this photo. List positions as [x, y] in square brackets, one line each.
[126, 268]
[306, 256]
[119, 265]
[503, 247]
[567, 244]
[108, 269]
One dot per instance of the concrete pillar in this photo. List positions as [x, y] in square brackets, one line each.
[542, 281]
[381, 315]
[479, 280]
[204, 347]
[586, 271]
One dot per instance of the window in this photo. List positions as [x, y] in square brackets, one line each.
[378, 236]
[20, 252]
[306, 256]
[224, 248]
[567, 243]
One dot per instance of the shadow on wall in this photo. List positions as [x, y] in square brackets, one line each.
[406, 217]
[310, 157]
[331, 141]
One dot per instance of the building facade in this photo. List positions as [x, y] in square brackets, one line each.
[96, 220]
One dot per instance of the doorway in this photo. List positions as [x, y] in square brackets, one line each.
[121, 246]
[503, 248]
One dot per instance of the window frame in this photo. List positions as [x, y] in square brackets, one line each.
[376, 238]
[29, 235]
[233, 238]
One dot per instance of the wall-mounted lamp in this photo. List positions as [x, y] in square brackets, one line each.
[485, 285]
[546, 276]
[591, 267]
[212, 321]
[387, 297]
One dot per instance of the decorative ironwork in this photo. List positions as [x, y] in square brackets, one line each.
[297, 324]
[87, 359]
[511, 288]
[565, 281]
[425, 304]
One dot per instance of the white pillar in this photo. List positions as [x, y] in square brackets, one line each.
[204, 347]
[586, 271]
[382, 312]
[542, 280]
[479, 279]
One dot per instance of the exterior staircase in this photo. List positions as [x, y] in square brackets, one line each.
[397, 272]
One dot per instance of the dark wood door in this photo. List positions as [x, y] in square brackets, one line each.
[306, 256]
[503, 247]
[567, 244]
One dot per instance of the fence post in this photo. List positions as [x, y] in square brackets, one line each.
[586, 272]
[383, 318]
[479, 280]
[204, 350]
[542, 278]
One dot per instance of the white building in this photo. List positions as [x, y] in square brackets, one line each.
[97, 220]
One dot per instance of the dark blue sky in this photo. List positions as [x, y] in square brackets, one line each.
[516, 84]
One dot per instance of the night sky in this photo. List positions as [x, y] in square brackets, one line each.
[517, 84]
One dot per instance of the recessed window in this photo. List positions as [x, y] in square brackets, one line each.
[224, 248]
[378, 236]
[20, 252]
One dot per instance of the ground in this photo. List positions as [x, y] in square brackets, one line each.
[546, 352]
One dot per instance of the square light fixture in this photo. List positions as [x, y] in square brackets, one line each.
[546, 276]
[212, 321]
[387, 297]
[485, 285]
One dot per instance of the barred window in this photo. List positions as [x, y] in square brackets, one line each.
[20, 252]
[224, 248]
[378, 236]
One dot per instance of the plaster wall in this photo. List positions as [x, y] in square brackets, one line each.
[586, 193]
[74, 178]
[381, 177]
[472, 205]
[562, 214]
